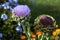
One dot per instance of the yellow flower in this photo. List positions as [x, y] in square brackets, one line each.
[55, 32]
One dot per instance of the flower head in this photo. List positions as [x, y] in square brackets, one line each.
[4, 16]
[6, 5]
[55, 32]
[38, 32]
[19, 29]
[33, 35]
[11, 1]
[45, 20]
[16, 1]
[21, 10]
[23, 37]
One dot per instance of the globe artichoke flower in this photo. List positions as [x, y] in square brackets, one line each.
[21, 10]
[45, 20]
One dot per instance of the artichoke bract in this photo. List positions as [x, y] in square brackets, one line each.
[21, 10]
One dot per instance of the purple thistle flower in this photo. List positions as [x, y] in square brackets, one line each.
[46, 21]
[22, 10]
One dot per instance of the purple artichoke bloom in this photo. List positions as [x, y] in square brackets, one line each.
[46, 21]
[22, 10]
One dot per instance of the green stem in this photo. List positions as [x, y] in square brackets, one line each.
[42, 36]
[28, 32]
[47, 38]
